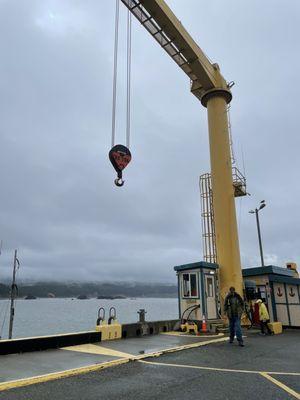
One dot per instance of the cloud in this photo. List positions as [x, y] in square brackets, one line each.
[59, 205]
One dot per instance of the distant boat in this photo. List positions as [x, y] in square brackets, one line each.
[30, 297]
[82, 297]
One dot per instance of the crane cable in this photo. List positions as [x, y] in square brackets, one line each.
[128, 111]
[119, 154]
[115, 75]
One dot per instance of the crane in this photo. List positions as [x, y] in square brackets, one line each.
[210, 87]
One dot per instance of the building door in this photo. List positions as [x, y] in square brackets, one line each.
[210, 292]
[287, 302]
[281, 303]
[293, 304]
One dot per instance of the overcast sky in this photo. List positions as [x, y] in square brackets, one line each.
[59, 206]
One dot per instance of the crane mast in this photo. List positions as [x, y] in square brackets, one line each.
[209, 86]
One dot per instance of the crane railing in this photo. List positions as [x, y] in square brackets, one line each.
[159, 20]
[207, 211]
[160, 35]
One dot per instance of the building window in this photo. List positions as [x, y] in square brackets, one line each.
[189, 285]
[210, 287]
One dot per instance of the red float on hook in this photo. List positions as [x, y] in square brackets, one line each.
[120, 157]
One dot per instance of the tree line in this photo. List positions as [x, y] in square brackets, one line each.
[54, 289]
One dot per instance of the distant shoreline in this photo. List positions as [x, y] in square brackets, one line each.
[94, 298]
[92, 290]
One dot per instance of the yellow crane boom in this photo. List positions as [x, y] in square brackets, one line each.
[209, 86]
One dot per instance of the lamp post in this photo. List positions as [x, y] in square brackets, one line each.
[256, 211]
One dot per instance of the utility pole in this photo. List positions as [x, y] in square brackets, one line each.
[259, 238]
[13, 295]
[256, 211]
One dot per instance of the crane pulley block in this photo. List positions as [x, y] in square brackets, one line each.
[120, 157]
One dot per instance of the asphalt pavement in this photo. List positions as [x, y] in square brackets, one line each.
[266, 368]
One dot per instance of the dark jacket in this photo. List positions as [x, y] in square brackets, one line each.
[233, 305]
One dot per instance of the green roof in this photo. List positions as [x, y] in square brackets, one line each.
[196, 265]
[284, 279]
[267, 270]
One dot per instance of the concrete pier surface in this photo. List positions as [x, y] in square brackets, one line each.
[169, 366]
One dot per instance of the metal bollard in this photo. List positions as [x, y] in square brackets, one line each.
[142, 313]
[101, 316]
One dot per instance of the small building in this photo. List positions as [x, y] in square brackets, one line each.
[280, 288]
[197, 285]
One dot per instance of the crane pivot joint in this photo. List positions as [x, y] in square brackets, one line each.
[217, 92]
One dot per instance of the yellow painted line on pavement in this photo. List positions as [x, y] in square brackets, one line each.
[243, 371]
[141, 358]
[60, 374]
[199, 367]
[191, 336]
[282, 373]
[266, 375]
[95, 349]
[159, 352]
[95, 367]
[180, 348]
[281, 385]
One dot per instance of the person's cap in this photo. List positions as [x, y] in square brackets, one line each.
[258, 301]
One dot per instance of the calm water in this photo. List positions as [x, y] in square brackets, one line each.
[50, 316]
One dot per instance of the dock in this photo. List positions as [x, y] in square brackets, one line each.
[168, 365]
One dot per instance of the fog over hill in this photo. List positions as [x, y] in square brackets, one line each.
[91, 289]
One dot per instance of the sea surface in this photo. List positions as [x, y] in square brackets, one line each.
[50, 316]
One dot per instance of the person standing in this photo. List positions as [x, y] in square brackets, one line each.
[264, 318]
[233, 308]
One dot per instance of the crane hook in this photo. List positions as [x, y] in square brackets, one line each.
[119, 181]
[120, 157]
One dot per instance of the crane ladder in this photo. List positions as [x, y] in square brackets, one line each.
[207, 211]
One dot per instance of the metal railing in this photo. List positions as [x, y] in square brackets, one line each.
[208, 223]
[207, 211]
[239, 182]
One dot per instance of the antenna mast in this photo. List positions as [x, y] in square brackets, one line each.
[13, 295]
